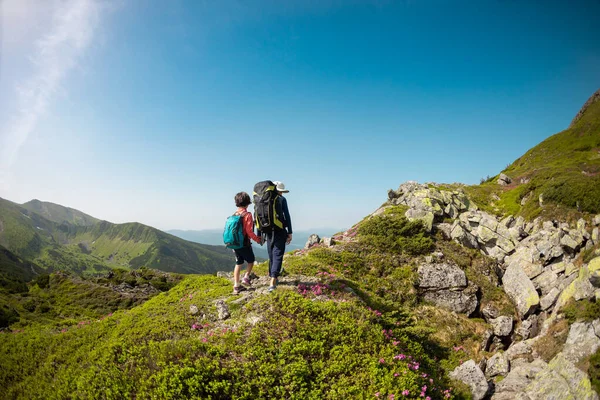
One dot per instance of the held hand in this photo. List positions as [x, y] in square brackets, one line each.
[289, 239]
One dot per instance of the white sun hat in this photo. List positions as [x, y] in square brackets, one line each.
[280, 187]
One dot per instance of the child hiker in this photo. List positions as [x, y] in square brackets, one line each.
[242, 201]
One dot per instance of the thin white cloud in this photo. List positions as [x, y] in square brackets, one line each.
[57, 52]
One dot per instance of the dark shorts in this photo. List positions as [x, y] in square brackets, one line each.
[244, 254]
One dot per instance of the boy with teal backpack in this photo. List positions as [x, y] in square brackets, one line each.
[236, 236]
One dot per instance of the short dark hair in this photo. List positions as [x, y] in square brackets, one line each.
[242, 199]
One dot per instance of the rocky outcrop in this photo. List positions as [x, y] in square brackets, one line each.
[538, 269]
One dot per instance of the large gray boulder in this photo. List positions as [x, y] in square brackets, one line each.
[460, 301]
[520, 289]
[519, 377]
[441, 276]
[470, 374]
[582, 341]
[502, 325]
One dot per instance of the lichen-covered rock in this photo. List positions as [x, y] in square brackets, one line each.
[502, 325]
[546, 281]
[519, 377]
[427, 217]
[520, 289]
[549, 299]
[470, 374]
[572, 242]
[498, 364]
[561, 380]
[460, 301]
[193, 309]
[441, 276]
[519, 350]
[463, 236]
[527, 259]
[582, 341]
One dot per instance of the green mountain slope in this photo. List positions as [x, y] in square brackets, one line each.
[14, 272]
[563, 169]
[103, 245]
[59, 214]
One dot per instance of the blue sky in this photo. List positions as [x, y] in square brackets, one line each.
[159, 112]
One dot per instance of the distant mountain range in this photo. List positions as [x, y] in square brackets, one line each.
[54, 237]
[215, 237]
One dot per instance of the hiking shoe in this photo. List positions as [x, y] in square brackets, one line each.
[238, 289]
[271, 288]
[246, 281]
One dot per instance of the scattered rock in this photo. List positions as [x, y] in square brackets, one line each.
[312, 240]
[489, 312]
[520, 289]
[222, 309]
[488, 336]
[582, 341]
[504, 180]
[328, 242]
[224, 274]
[548, 300]
[193, 309]
[529, 328]
[498, 364]
[519, 350]
[471, 375]
[502, 325]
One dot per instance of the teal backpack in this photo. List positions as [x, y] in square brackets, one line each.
[233, 234]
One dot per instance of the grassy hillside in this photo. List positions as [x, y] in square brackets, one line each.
[59, 214]
[97, 248]
[356, 329]
[564, 169]
[14, 272]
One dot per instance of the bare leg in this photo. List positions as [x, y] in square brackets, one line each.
[236, 275]
[249, 270]
[273, 281]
